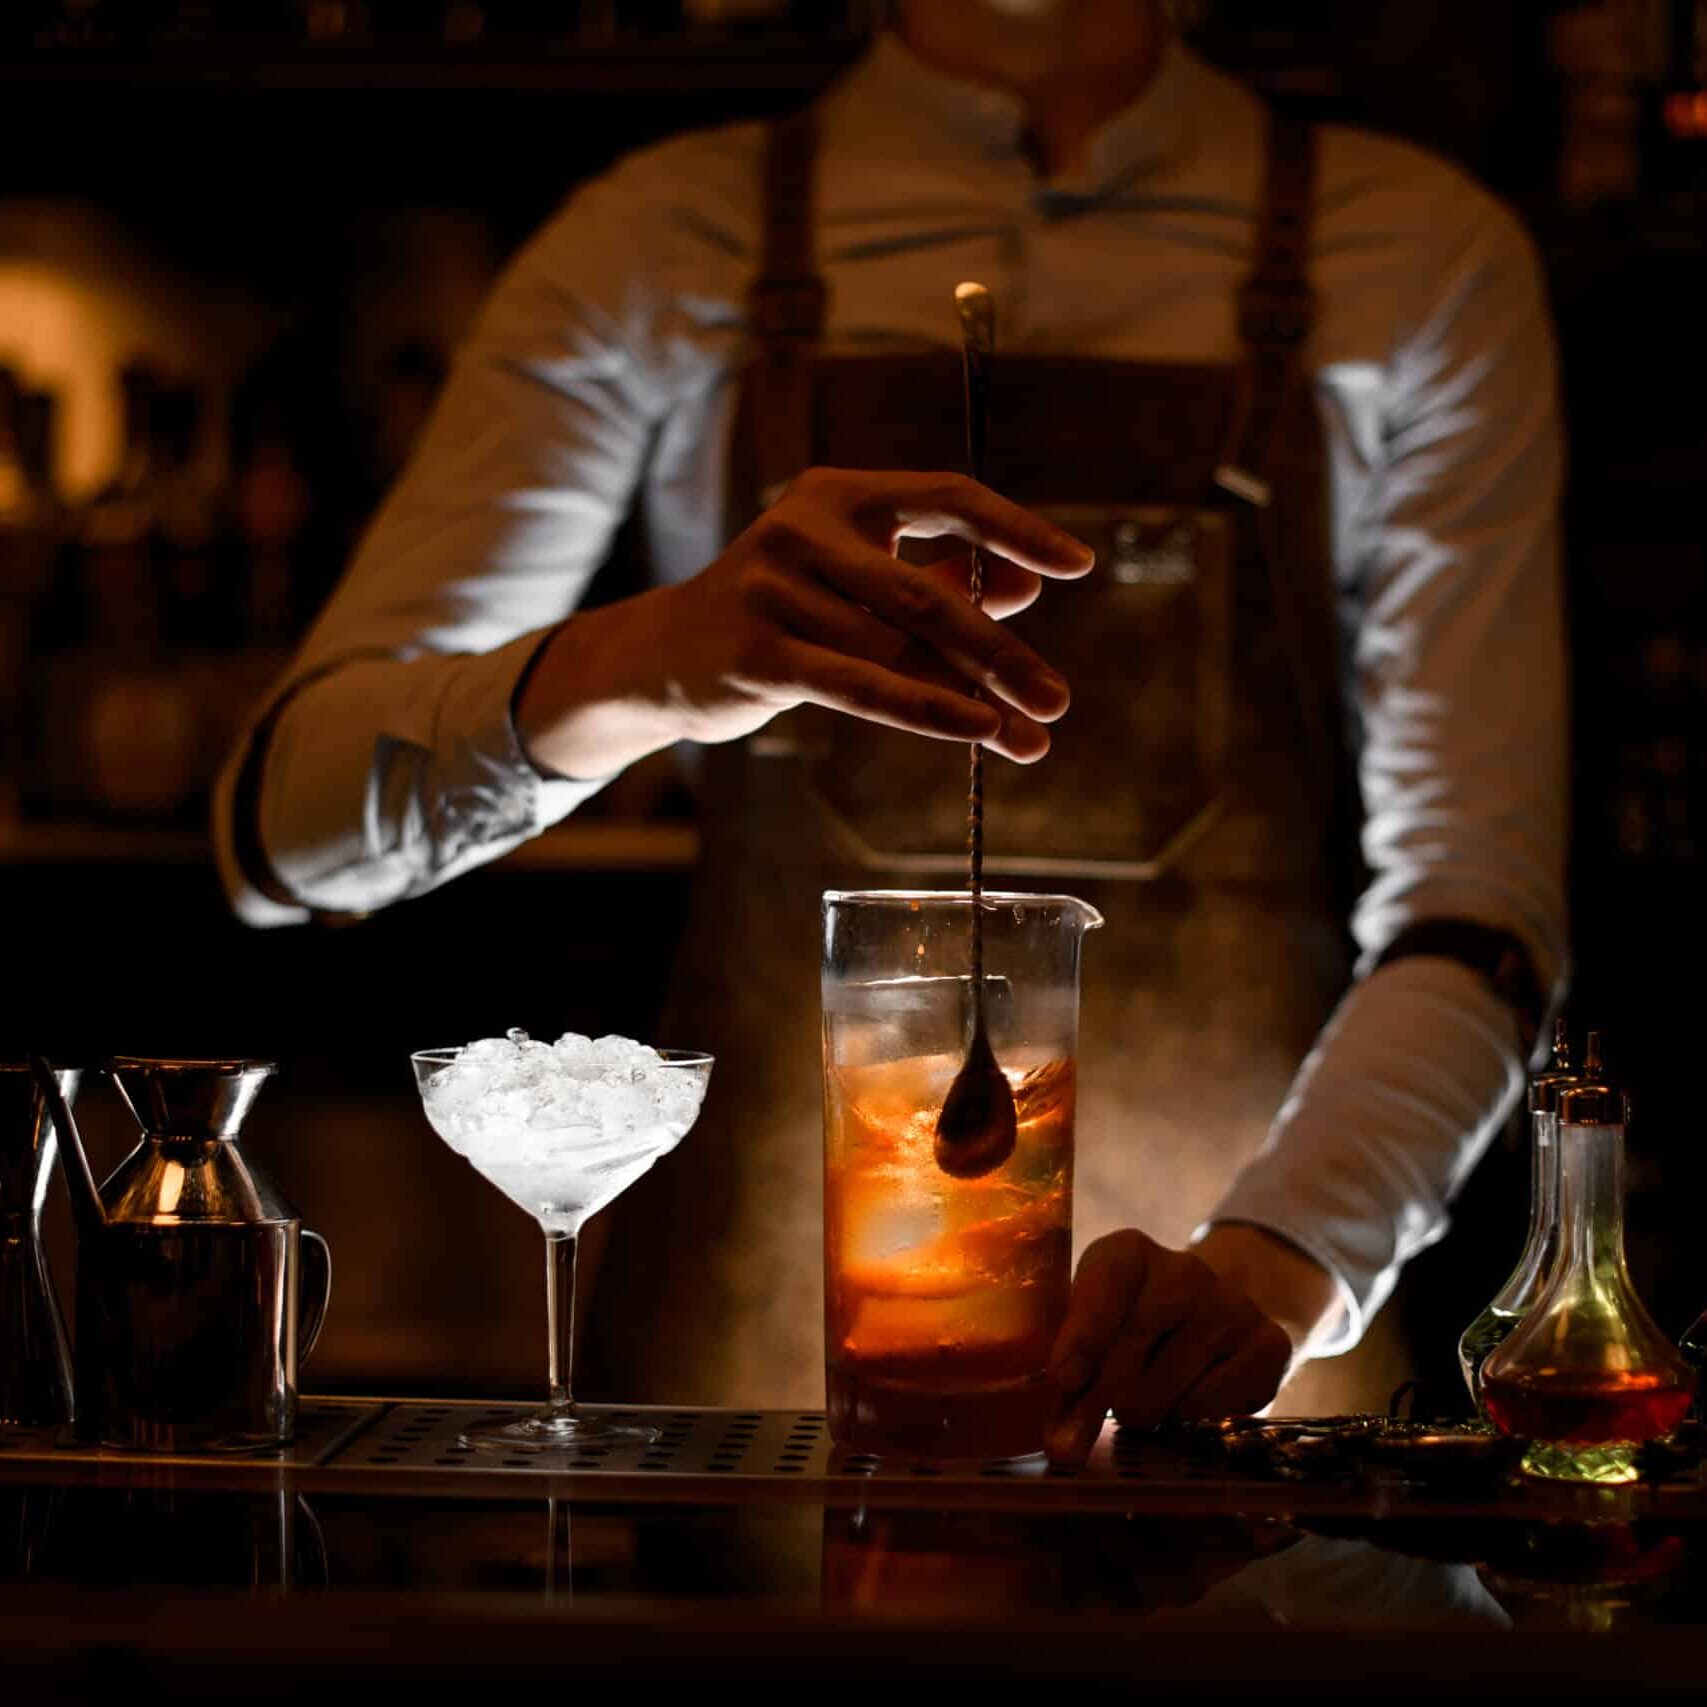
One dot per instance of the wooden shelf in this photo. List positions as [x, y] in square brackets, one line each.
[759, 64]
[99, 844]
[608, 845]
[615, 845]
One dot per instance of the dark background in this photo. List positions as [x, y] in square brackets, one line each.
[287, 156]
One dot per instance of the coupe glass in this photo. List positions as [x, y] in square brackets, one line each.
[580, 1171]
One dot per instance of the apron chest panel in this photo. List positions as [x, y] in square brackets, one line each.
[1185, 799]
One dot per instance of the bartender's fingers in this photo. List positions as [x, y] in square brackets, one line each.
[1245, 1382]
[819, 676]
[1072, 1431]
[1070, 1434]
[1204, 1340]
[813, 613]
[1218, 1324]
[1131, 1298]
[1109, 1277]
[1124, 1381]
[892, 507]
[889, 505]
[920, 603]
[1008, 589]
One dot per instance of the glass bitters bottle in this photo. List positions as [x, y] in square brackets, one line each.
[1586, 1376]
[1523, 1285]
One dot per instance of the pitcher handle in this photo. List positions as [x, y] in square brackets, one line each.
[316, 1292]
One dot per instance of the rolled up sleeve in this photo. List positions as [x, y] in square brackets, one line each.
[1459, 691]
[391, 760]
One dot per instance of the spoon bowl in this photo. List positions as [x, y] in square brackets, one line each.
[977, 1126]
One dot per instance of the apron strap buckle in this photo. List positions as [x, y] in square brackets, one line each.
[788, 306]
[1276, 310]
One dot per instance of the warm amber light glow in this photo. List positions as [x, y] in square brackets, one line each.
[78, 300]
[1685, 113]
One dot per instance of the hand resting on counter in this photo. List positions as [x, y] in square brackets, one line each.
[1153, 1333]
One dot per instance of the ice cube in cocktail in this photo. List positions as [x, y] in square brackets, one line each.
[943, 1294]
[561, 1129]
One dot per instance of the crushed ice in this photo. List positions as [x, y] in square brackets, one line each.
[562, 1125]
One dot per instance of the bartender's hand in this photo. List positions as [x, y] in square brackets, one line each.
[811, 606]
[1153, 1333]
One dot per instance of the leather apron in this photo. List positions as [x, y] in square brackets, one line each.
[1195, 794]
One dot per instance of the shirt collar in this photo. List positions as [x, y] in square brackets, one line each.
[911, 98]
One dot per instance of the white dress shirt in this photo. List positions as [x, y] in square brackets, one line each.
[603, 375]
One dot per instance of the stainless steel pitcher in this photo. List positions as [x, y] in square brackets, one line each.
[199, 1291]
[35, 1364]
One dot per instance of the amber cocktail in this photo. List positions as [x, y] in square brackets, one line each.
[943, 1295]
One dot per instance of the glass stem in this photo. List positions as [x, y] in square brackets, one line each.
[560, 1320]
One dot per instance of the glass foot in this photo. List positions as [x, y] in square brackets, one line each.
[1604, 1466]
[546, 1433]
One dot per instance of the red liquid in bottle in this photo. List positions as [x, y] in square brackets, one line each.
[1587, 1412]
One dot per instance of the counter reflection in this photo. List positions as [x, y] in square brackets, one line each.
[1225, 1571]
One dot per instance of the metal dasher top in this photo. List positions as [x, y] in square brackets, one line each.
[1592, 1100]
[1545, 1086]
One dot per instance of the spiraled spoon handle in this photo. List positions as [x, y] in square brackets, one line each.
[976, 1128]
[977, 310]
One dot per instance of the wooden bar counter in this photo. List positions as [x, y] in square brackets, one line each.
[377, 1553]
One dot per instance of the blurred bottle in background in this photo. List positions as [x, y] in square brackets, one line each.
[203, 600]
[162, 610]
[117, 566]
[1659, 777]
[272, 504]
[1610, 54]
[115, 732]
[334, 20]
[727, 14]
[106, 25]
[31, 520]
[413, 374]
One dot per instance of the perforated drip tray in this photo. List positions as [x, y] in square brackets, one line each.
[417, 1437]
[705, 1446]
[322, 1426]
[414, 1448]
[732, 1446]
[393, 1440]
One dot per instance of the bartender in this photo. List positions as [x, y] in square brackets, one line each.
[1298, 733]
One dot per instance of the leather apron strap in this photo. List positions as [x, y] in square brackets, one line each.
[788, 302]
[787, 305]
[1277, 308]
[1276, 312]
